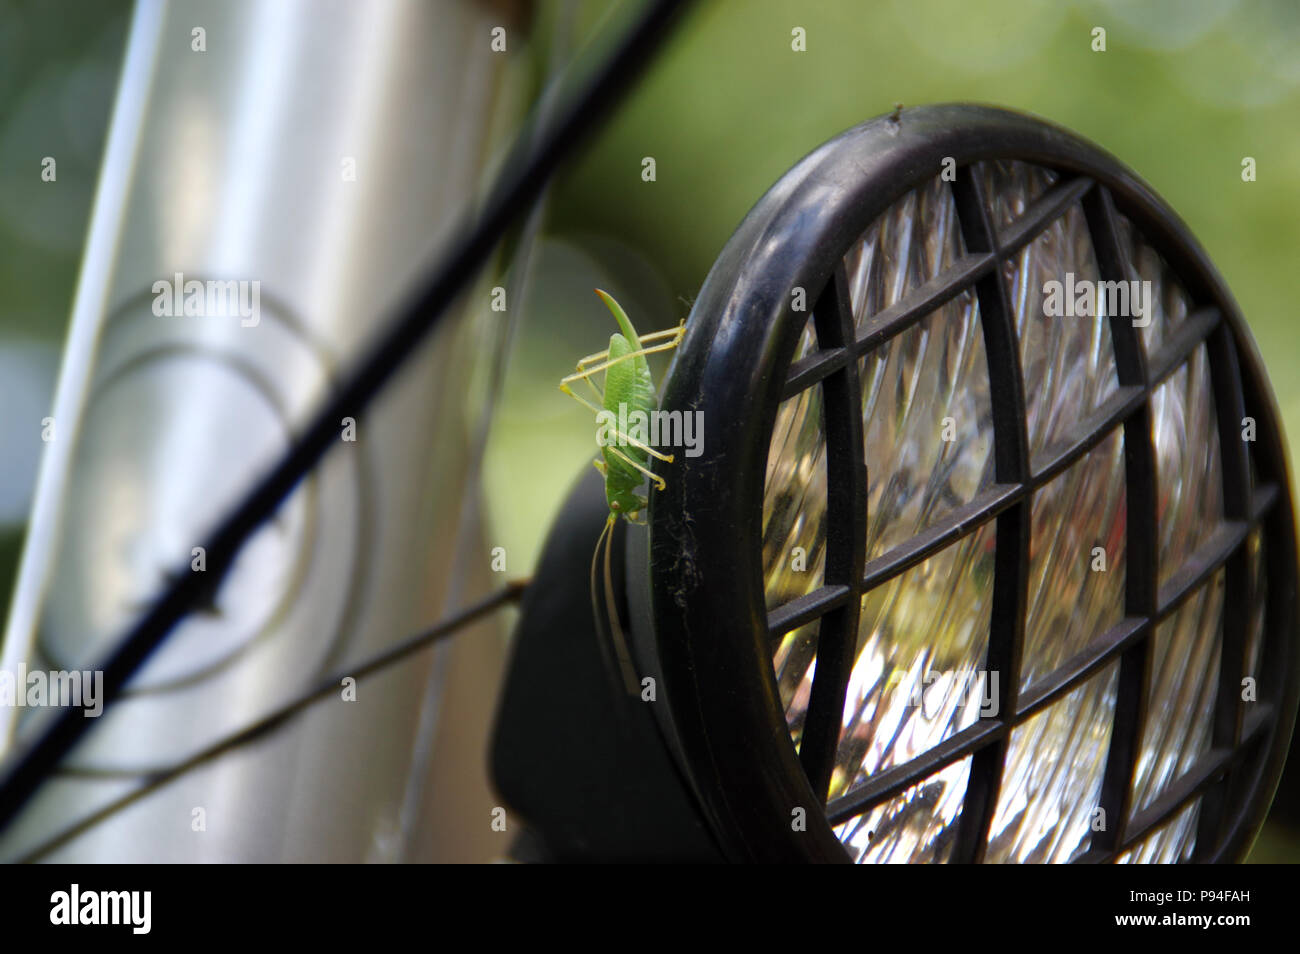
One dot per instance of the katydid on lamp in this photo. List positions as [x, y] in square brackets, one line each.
[629, 391]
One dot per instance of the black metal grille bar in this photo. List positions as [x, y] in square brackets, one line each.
[1222, 546]
[1191, 332]
[963, 275]
[895, 781]
[1042, 213]
[1195, 572]
[1215, 764]
[1011, 554]
[894, 320]
[922, 301]
[846, 509]
[1096, 656]
[1141, 597]
[1209, 557]
[1131, 397]
[1103, 651]
[927, 543]
[1229, 710]
[892, 782]
[1099, 425]
[806, 608]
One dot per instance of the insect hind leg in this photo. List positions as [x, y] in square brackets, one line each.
[628, 439]
[625, 438]
[658, 481]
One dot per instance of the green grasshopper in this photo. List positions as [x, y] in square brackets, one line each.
[629, 387]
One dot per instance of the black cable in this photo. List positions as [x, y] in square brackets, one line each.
[522, 179]
[324, 687]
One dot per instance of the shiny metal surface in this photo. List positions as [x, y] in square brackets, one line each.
[241, 172]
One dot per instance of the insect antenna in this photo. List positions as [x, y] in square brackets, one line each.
[609, 628]
[595, 599]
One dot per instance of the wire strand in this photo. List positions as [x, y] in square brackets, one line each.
[328, 685]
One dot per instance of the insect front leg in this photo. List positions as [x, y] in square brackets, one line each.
[642, 340]
[677, 332]
[578, 397]
[610, 362]
[585, 376]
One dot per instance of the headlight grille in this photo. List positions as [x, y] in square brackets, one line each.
[928, 430]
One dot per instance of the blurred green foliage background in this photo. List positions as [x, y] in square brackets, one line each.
[1182, 93]
[1184, 90]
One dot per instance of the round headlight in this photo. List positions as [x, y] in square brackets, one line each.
[990, 553]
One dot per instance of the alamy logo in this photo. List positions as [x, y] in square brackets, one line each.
[651, 429]
[1080, 298]
[976, 688]
[210, 299]
[75, 906]
[59, 688]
